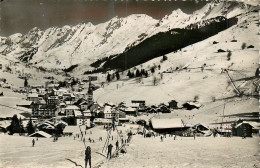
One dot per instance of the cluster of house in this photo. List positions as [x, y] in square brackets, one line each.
[53, 101]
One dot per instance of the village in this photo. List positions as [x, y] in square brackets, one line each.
[57, 109]
[65, 116]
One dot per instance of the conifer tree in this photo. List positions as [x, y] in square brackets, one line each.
[29, 127]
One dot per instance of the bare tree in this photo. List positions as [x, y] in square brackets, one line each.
[196, 98]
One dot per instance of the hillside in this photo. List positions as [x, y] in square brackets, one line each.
[183, 77]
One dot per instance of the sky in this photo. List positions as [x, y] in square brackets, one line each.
[19, 16]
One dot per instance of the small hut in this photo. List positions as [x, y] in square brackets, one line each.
[242, 129]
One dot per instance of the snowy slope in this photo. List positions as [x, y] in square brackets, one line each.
[184, 84]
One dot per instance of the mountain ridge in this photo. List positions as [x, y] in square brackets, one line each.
[85, 43]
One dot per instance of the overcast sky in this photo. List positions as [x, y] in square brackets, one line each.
[19, 16]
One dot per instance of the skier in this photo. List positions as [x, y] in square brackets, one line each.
[88, 156]
[117, 145]
[109, 152]
[33, 142]
[161, 138]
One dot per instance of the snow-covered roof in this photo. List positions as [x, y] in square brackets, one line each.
[40, 134]
[5, 123]
[72, 108]
[68, 102]
[253, 124]
[24, 103]
[87, 111]
[107, 109]
[84, 103]
[167, 123]
[197, 104]
[130, 109]
[32, 95]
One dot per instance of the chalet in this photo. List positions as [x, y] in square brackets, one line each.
[73, 98]
[44, 111]
[69, 111]
[79, 95]
[242, 129]
[115, 114]
[108, 111]
[71, 130]
[202, 129]
[67, 96]
[53, 100]
[139, 102]
[41, 91]
[33, 97]
[78, 114]
[102, 121]
[95, 107]
[57, 92]
[84, 105]
[52, 86]
[168, 125]
[33, 91]
[68, 103]
[36, 86]
[87, 114]
[130, 111]
[26, 104]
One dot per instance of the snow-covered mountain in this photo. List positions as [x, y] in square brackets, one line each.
[85, 43]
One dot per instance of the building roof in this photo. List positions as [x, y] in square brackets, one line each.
[24, 103]
[167, 123]
[72, 108]
[84, 103]
[68, 102]
[32, 95]
[40, 134]
[53, 85]
[130, 109]
[245, 122]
